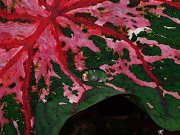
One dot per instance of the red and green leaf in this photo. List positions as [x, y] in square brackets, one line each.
[60, 57]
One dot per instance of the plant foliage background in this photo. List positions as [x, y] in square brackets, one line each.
[60, 57]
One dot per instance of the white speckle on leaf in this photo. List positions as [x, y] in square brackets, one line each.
[16, 126]
[137, 31]
[54, 93]
[43, 7]
[44, 100]
[62, 103]
[72, 35]
[150, 106]
[32, 121]
[169, 27]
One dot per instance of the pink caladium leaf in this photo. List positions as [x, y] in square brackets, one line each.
[58, 57]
